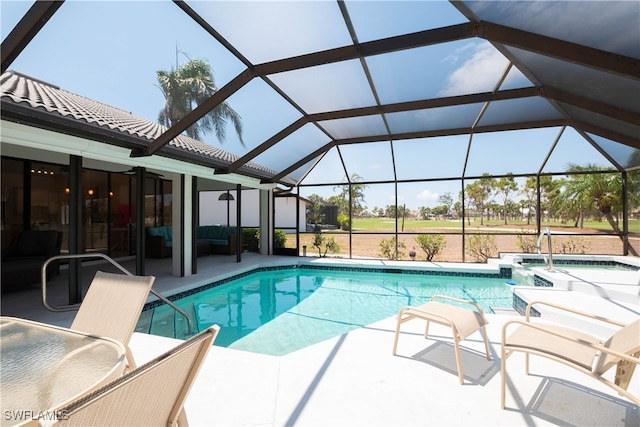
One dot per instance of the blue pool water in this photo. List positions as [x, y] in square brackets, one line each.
[280, 311]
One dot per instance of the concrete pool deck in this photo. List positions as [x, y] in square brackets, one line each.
[353, 380]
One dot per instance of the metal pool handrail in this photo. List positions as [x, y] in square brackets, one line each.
[115, 264]
[549, 262]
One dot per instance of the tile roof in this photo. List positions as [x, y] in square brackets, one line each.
[38, 95]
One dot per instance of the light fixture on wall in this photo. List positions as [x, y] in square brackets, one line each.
[42, 172]
[226, 197]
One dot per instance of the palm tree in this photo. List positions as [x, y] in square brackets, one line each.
[187, 86]
[601, 191]
[354, 193]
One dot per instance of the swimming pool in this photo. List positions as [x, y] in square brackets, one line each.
[279, 311]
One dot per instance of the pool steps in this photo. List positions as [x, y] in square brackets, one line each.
[163, 322]
[619, 285]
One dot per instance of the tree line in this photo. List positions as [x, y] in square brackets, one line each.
[585, 192]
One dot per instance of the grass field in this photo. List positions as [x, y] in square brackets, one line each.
[594, 238]
[414, 225]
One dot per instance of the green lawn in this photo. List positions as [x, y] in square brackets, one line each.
[413, 225]
[388, 224]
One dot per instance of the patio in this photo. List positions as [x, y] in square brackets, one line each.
[452, 82]
[354, 380]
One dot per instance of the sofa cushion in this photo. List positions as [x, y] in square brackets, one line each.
[155, 231]
[36, 243]
[218, 242]
[209, 232]
[201, 233]
[214, 232]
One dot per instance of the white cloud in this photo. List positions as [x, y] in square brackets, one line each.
[391, 198]
[479, 73]
[428, 196]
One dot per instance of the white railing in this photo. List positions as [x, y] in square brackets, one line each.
[548, 261]
[115, 264]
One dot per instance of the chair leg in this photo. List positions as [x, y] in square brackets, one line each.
[395, 340]
[457, 349]
[624, 372]
[486, 342]
[426, 330]
[182, 419]
[503, 376]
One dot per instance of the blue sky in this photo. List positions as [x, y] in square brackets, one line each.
[110, 52]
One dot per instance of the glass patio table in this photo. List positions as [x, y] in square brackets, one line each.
[42, 367]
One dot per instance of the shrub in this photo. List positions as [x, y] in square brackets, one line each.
[388, 248]
[320, 242]
[331, 245]
[251, 239]
[344, 222]
[279, 239]
[574, 245]
[431, 244]
[482, 247]
[527, 242]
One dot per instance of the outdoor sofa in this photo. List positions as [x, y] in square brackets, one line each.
[22, 261]
[211, 239]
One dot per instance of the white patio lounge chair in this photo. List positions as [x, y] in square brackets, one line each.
[112, 307]
[151, 395]
[577, 349]
[462, 321]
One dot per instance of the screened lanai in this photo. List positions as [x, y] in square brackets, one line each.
[386, 110]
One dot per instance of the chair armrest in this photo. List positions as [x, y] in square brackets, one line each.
[544, 328]
[571, 310]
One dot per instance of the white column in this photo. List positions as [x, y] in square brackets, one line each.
[266, 222]
[181, 221]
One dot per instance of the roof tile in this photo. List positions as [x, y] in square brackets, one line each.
[20, 89]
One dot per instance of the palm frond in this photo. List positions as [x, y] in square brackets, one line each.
[187, 87]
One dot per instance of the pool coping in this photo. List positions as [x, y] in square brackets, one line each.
[493, 271]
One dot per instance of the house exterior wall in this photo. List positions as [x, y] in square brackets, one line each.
[214, 211]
